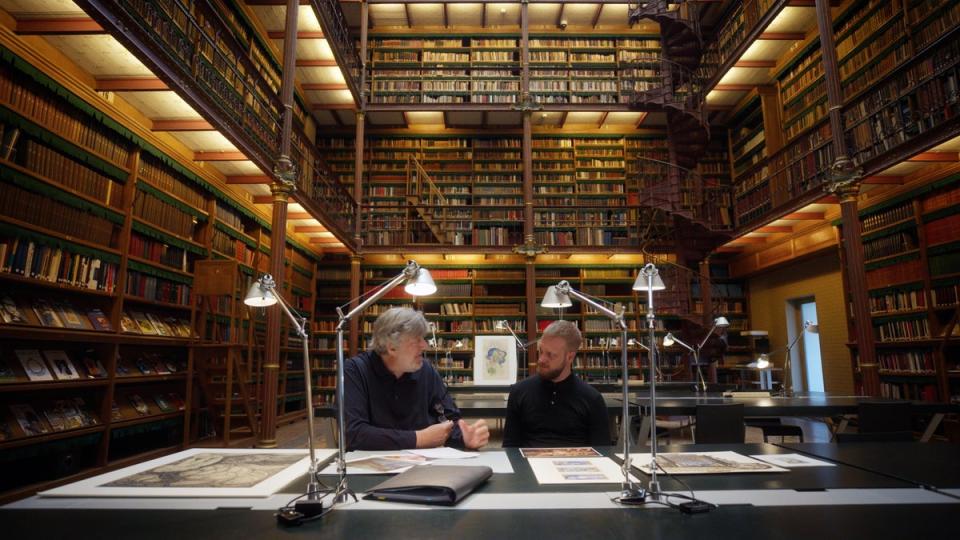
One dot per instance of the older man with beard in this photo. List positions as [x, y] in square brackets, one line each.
[555, 408]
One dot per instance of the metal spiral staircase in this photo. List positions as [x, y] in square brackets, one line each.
[671, 195]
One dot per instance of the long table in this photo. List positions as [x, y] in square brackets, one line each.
[840, 501]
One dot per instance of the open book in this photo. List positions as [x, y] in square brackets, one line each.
[431, 484]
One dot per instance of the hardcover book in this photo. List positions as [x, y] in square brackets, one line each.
[138, 404]
[128, 325]
[145, 365]
[69, 316]
[56, 419]
[93, 366]
[33, 365]
[163, 404]
[161, 327]
[99, 320]
[86, 416]
[143, 323]
[5, 432]
[115, 413]
[29, 421]
[63, 368]
[10, 312]
[46, 314]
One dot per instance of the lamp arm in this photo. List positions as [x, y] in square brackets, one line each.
[299, 322]
[411, 270]
[604, 310]
[521, 344]
[684, 345]
[707, 337]
[795, 340]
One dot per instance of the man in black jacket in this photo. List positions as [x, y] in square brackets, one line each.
[394, 400]
[555, 408]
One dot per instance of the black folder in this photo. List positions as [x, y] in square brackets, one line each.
[431, 484]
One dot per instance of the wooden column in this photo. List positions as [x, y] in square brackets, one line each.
[355, 277]
[271, 356]
[285, 173]
[844, 180]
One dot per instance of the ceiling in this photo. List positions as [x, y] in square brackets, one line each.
[121, 78]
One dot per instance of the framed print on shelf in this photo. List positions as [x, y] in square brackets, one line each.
[495, 360]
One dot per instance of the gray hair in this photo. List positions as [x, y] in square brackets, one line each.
[395, 323]
[567, 331]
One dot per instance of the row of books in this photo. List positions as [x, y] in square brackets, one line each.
[167, 181]
[890, 245]
[907, 361]
[913, 391]
[903, 271]
[944, 198]
[161, 252]
[55, 215]
[164, 215]
[50, 365]
[66, 266]
[942, 230]
[50, 111]
[888, 216]
[67, 172]
[54, 416]
[898, 300]
[902, 330]
[157, 289]
[58, 313]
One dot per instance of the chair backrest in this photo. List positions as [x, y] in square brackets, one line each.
[720, 424]
[884, 416]
[880, 436]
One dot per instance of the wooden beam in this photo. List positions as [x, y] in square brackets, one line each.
[563, 119]
[938, 157]
[333, 106]
[273, 2]
[279, 34]
[181, 125]
[310, 229]
[266, 199]
[603, 118]
[446, 20]
[303, 62]
[878, 179]
[130, 84]
[322, 240]
[756, 64]
[805, 216]
[783, 36]
[596, 16]
[728, 249]
[324, 86]
[749, 240]
[643, 116]
[249, 179]
[406, 14]
[220, 156]
[734, 87]
[560, 15]
[59, 25]
[483, 16]
[775, 229]
[292, 215]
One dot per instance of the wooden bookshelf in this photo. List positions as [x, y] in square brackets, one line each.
[912, 253]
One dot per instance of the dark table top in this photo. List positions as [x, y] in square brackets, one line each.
[934, 465]
[742, 521]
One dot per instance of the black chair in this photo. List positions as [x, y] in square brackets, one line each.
[881, 421]
[773, 426]
[720, 424]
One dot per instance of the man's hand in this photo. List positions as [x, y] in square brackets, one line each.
[474, 436]
[435, 435]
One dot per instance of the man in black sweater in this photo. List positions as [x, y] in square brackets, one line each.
[393, 400]
[555, 408]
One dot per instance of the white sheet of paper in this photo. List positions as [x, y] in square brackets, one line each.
[793, 460]
[443, 452]
[703, 463]
[595, 470]
[496, 460]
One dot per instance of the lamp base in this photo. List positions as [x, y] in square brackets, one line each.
[632, 496]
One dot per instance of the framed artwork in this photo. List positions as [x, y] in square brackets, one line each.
[494, 360]
[199, 472]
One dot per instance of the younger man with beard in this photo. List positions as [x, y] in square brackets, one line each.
[555, 408]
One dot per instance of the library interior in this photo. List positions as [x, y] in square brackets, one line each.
[788, 169]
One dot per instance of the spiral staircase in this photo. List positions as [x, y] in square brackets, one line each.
[671, 195]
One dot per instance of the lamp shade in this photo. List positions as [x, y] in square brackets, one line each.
[421, 284]
[668, 340]
[260, 296]
[763, 361]
[812, 327]
[721, 322]
[555, 299]
[500, 325]
[643, 279]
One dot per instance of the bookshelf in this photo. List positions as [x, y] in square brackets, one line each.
[911, 255]
[102, 343]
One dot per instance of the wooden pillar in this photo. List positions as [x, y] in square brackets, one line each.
[285, 183]
[355, 278]
[271, 358]
[844, 180]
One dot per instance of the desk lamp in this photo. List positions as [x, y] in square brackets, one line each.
[502, 325]
[787, 390]
[670, 339]
[558, 297]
